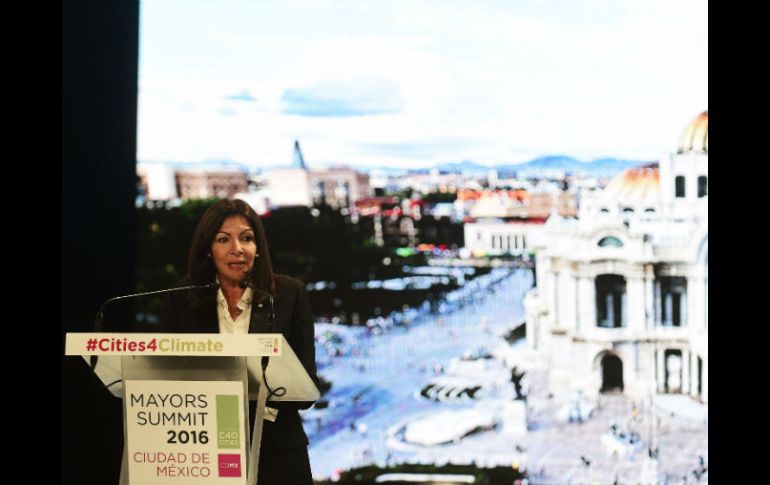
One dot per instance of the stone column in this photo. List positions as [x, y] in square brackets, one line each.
[684, 317]
[587, 302]
[555, 300]
[566, 294]
[545, 283]
[686, 371]
[531, 309]
[648, 365]
[695, 305]
[649, 299]
[578, 282]
[635, 312]
[657, 304]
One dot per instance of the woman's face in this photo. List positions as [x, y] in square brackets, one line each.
[233, 250]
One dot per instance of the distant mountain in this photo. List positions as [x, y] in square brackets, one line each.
[612, 166]
[466, 166]
[542, 166]
[547, 163]
[606, 167]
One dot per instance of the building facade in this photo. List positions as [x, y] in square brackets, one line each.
[202, 183]
[621, 300]
[503, 221]
[497, 237]
[338, 187]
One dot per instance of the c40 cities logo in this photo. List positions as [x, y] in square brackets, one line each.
[228, 435]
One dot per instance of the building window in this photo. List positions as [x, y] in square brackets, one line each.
[679, 186]
[700, 377]
[342, 193]
[673, 301]
[610, 242]
[610, 299]
[673, 371]
[319, 192]
[703, 186]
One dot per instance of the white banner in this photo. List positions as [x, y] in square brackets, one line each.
[185, 432]
[163, 344]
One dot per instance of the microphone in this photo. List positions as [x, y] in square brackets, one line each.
[99, 322]
[271, 308]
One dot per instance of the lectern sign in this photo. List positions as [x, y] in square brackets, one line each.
[185, 432]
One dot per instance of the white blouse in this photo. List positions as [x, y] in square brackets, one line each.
[226, 322]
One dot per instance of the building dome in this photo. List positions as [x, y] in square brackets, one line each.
[636, 186]
[696, 135]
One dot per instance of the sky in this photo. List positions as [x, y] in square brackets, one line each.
[406, 84]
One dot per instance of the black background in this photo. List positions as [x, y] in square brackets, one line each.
[99, 93]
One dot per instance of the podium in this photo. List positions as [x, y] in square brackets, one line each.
[185, 400]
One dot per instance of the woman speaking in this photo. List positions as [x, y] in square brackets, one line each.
[229, 248]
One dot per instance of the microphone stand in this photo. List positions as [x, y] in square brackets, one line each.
[99, 322]
[270, 329]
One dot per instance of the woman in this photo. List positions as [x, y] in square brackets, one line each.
[229, 247]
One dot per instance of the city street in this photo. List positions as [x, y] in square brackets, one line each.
[379, 388]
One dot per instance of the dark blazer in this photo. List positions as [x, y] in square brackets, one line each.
[293, 318]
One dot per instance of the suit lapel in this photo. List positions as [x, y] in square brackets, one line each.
[258, 320]
[209, 319]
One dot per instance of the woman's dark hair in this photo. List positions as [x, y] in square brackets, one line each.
[200, 267]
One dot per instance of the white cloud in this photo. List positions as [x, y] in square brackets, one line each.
[496, 81]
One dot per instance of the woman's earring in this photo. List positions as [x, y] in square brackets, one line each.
[208, 255]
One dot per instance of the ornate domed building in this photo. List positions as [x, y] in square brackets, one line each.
[696, 136]
[621, 301]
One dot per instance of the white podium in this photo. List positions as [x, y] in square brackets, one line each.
[185, 399]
